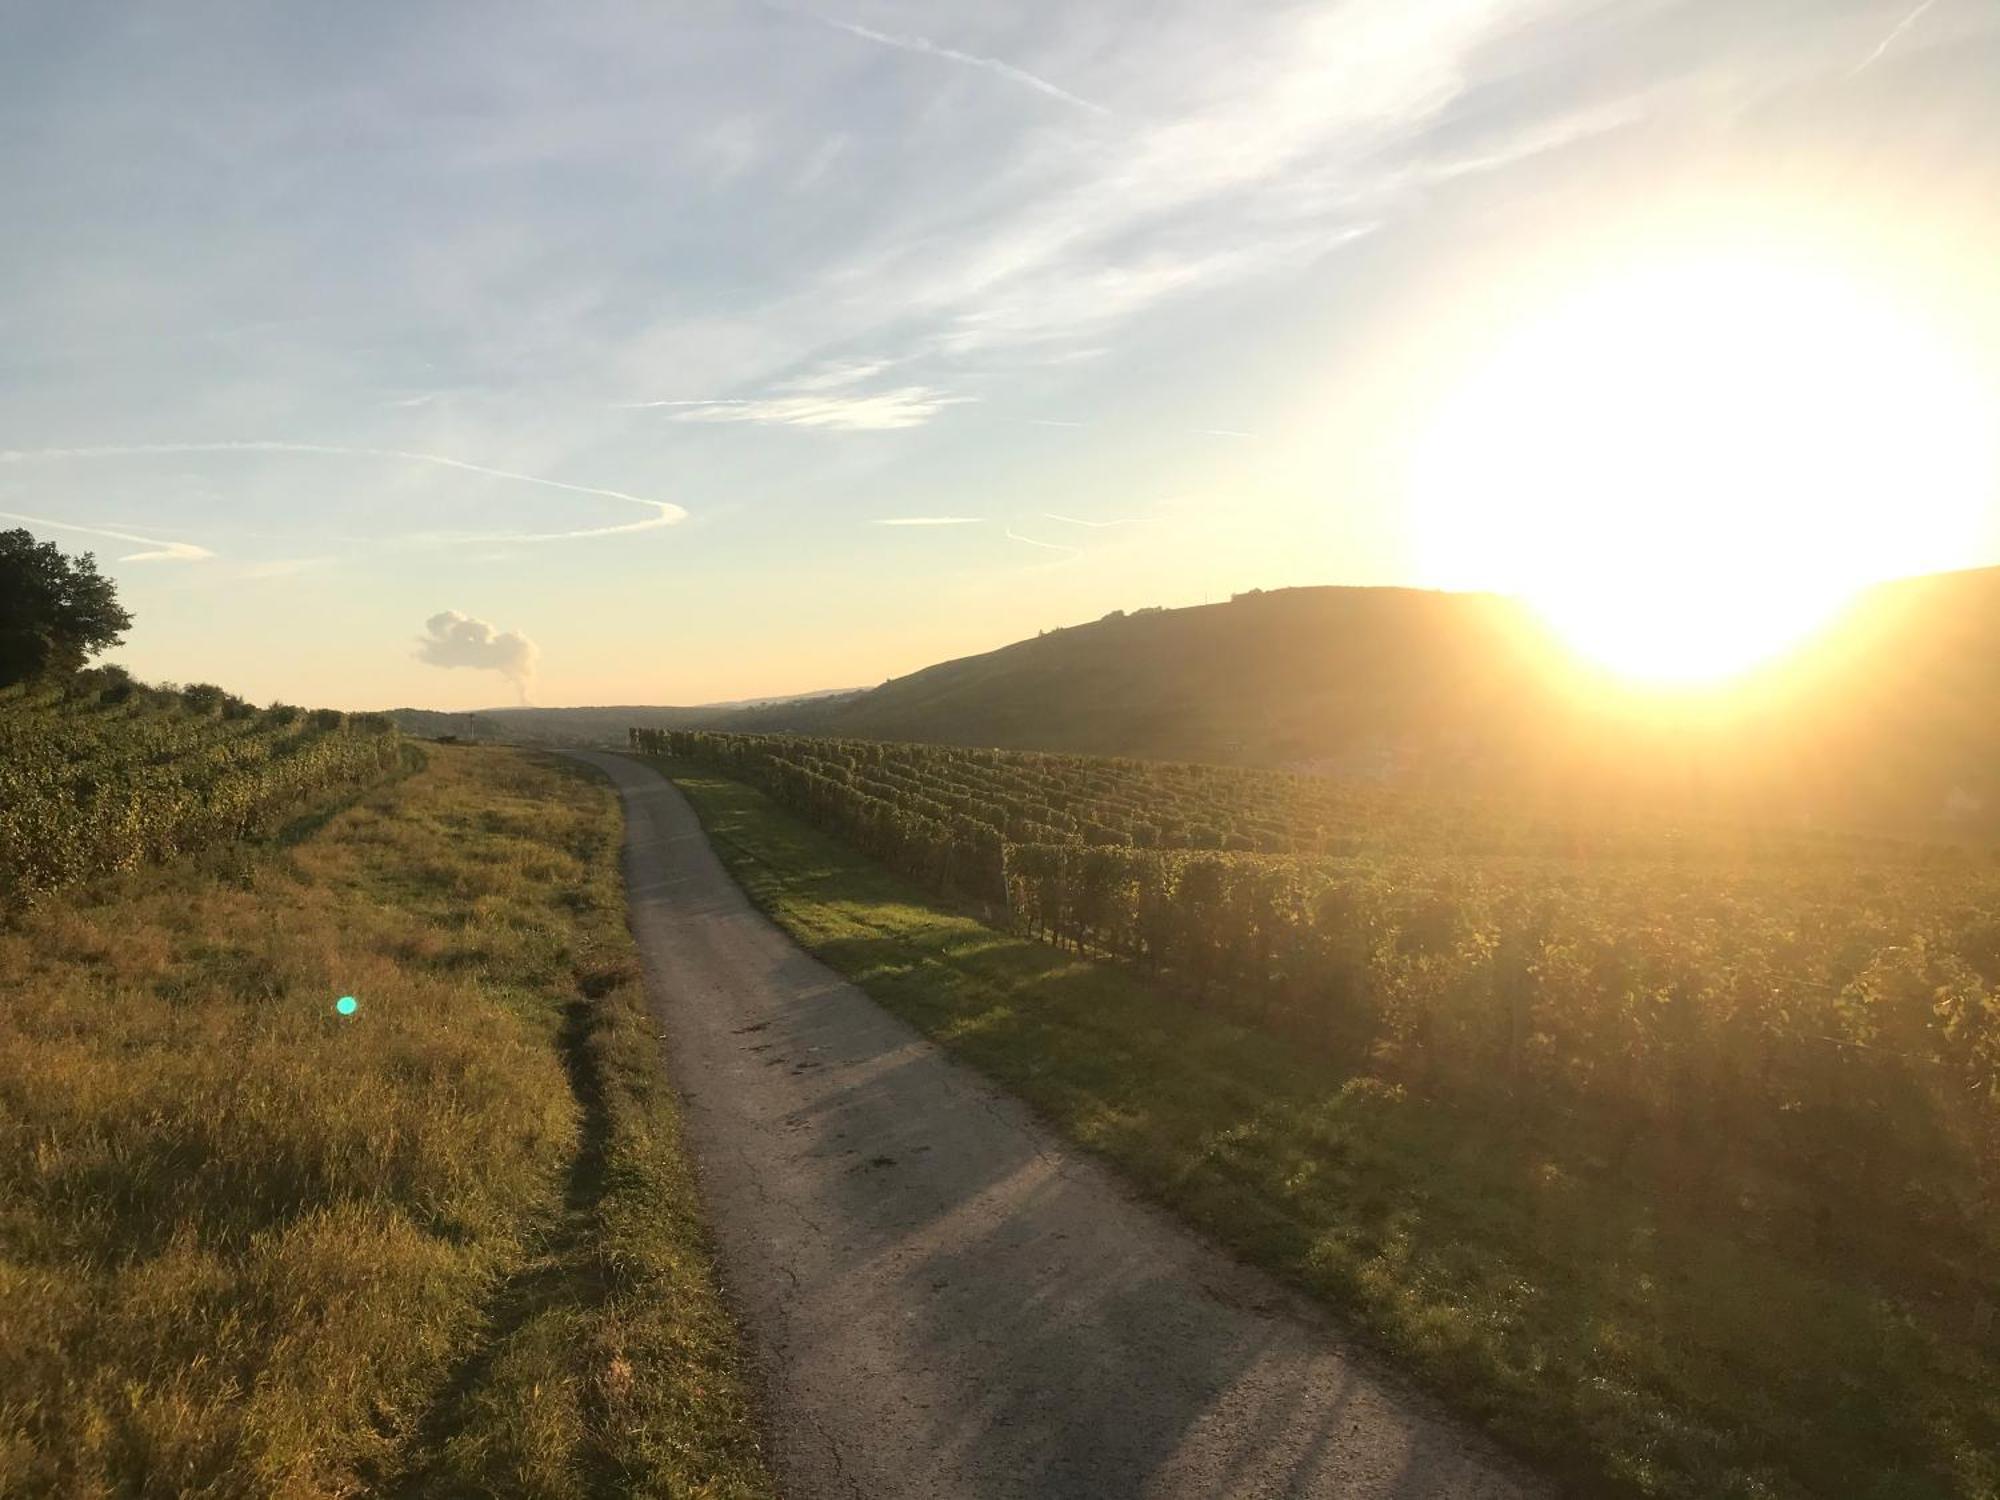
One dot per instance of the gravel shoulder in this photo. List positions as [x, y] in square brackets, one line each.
[943, 1300]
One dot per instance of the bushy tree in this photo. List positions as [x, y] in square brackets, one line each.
[56, 612]
[204, 697]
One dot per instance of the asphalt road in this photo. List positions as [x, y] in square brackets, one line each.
[942, 1300]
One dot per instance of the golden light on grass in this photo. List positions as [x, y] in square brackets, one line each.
[1688, 468]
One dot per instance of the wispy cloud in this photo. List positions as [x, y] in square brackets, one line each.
[1896, 34]
[1553, 135]
[927, 521]
[925, 47]
[663, 512]
[1015, 536]
[159, 551]
[656, 405]
[1051, 422]
[877, 411]
[1049, 515]
[839, 375]
[1301, 136]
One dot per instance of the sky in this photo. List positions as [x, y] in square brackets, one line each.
[458, 354]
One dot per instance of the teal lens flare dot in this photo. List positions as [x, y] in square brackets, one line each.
[346, 1005]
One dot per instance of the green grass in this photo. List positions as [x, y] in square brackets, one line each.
[448, 1246]
[1551, 1281]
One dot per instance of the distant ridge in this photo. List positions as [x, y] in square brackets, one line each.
[585, 727]
[1890, 719]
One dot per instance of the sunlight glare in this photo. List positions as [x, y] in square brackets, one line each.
[1688, 469]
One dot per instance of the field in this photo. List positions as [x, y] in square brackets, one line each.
[1668, 1150]
[99, 774]
[445, 1245]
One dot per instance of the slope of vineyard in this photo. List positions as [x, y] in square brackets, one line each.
[1828, 1006]
[99, 774]
[1677, 1145]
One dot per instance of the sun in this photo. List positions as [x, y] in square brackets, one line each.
[1690, 467]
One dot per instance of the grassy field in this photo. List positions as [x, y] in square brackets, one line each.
[447, 1245]
[1550, 1280]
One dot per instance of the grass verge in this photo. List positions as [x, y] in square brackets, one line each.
[1548, 1281]
[447, 1245]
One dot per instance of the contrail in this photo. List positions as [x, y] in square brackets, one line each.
[1049, 515]
[164, 551]
[1015, 536]
[924, 46]
[665, 513]
[1894, 36]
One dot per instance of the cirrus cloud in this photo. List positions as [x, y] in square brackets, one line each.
[860, 411]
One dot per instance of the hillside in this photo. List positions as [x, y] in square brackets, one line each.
[1889, 716]
[1342, 675]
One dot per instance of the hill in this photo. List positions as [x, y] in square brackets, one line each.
[1344, 676]
[1891, 715]
[1887, 718]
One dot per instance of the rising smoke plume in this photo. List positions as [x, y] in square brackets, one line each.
[455, 640]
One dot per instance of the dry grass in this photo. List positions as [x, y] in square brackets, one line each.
[448, 1245]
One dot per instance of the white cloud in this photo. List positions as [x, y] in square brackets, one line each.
[451, 639]
[878, 411]
[927, 521]
[839, 375]
[158, 551]
[1266, 143]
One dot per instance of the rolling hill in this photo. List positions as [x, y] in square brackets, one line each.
[1890, 716]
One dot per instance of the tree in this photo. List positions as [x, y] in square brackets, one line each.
[56, 612]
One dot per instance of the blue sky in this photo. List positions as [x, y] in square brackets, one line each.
[625, 328]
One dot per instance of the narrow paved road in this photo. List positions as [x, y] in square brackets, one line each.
[941, 1299]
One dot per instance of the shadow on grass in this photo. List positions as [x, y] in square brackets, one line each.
[563, 1279]
[1615, 1304]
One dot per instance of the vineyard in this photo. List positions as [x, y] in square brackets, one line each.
[1826, 1009]
[100, 774]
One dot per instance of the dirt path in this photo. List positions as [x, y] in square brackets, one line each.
[941, 1299]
